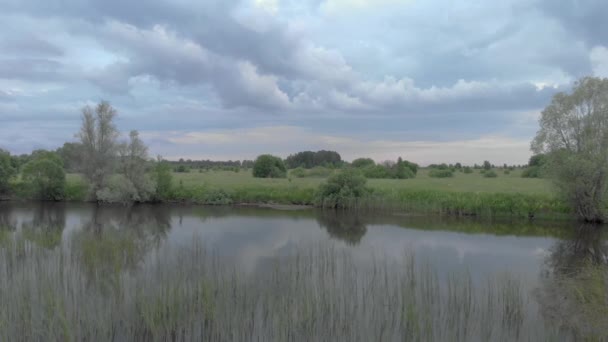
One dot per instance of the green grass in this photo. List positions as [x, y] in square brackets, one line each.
[463, 194]
[474, 182]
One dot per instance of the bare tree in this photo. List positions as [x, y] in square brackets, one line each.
[574, 135]
[98, 136]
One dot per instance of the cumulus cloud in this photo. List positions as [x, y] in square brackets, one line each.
[349, 68]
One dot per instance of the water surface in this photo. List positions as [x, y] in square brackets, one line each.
[122, 243]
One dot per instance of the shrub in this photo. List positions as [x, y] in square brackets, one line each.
[45, 177]
[122, 190]
[490, 174]
[532, 172]
[182, 169]
[467, 169]
[217, 197]
[341, 190]
[439, 173]
[268, 166]
[163, 178]
[506, 172]
[298, 172]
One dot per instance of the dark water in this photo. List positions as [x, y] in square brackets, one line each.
[251, 238]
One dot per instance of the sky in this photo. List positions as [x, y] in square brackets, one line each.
[431, 81]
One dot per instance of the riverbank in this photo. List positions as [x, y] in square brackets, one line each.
[463, 195]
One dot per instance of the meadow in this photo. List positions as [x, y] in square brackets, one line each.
[461, 195]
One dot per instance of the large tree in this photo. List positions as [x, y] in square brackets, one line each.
[574, 135]
[7, 171]
[98, 136]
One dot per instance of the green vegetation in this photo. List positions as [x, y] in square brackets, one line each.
[310, 159]
[490, 174]
[162, 176]
[439, 173]
[268, 166]
[342, 190]
[536, 167]
[45, 176]
[7, 171]
[574, 137]
[402, 169]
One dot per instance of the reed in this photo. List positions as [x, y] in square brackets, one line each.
[313, 293]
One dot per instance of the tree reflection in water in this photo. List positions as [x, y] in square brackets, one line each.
[346, 226]
[574, 285]
[116, 240]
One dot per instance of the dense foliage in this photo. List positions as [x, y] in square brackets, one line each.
[310, 159]
[162, 176]
[574, 136]
[342, 190]
[441, 173]
[44, 176]
[536, 166]
[7, 171]
[269, 166]
[402, 169]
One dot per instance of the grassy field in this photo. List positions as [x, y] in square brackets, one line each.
[461, 195]
[474, 182]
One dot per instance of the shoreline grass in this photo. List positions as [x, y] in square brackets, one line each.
[463, 195]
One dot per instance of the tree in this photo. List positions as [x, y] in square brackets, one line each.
[7, 171]
[163, 178]
[574, 135]
[45, 176]
[133, 185]
[98, 136]
[269, 166]
[487, 165]
[71, 153]
[310, 159]
[363, 162]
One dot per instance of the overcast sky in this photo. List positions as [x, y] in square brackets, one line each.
[431, 81]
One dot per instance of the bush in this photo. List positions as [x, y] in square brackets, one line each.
[298, 172]
[341, 190]
[532, 172]
[45, 177]
[217, 197]
[506, 172]
[122, 190]
[490, 174]
[439, 173]
[163, 178]
[467, 169]
[268, 166]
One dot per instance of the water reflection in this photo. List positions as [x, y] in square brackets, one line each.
[117, 239]
[574, 284]
[348, 227]
[46, 226]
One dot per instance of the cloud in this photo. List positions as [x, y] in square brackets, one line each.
[599, 60]
[30, 45]
[374, 71]
[340, 6]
